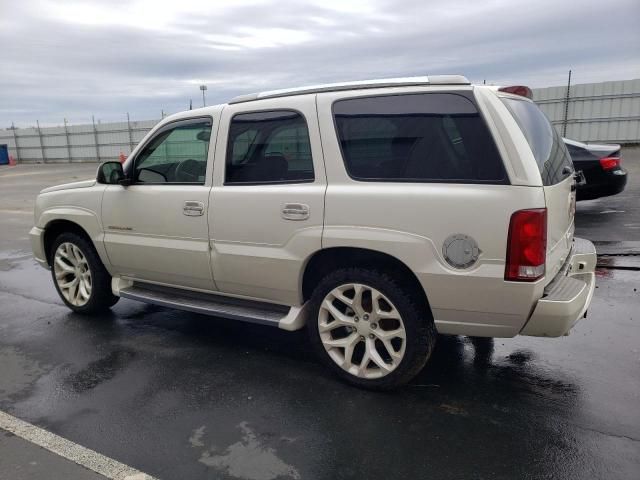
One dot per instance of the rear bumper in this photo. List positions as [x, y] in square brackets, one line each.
[612, 183]
[567, 297]
[36, 235]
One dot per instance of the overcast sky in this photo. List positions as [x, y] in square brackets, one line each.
[74, 59]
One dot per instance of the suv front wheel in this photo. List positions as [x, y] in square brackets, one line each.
[368, 329]
[82, 282]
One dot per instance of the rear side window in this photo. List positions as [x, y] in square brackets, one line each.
[547, 146]
[431, 137]
[268, 147]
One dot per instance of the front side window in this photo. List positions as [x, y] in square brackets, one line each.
[175, 155]
[549, 150]
[268, 147]
[431, 137]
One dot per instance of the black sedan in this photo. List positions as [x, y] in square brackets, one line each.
[601, 167]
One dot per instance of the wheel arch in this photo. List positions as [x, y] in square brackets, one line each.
[329, 259]
[56, 227]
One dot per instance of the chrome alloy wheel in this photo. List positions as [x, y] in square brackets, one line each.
[361, 330]
[72, 274]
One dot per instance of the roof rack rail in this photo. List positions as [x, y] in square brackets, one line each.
[357, 85]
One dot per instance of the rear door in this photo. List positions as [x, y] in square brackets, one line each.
[556, 170]
[267, 201]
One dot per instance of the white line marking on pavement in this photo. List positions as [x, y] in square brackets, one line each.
[86, 457]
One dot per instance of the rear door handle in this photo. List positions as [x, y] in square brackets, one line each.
[295, 211]
[193, 209]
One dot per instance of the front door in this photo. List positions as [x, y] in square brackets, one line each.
[156, 228]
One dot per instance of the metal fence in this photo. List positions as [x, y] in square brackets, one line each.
[95, 142]
[594, 112]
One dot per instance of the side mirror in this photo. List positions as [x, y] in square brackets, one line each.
[110, 173]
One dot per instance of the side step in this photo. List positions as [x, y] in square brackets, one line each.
[216, 305]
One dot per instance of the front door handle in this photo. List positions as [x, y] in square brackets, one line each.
[295, 211]
[193, 209]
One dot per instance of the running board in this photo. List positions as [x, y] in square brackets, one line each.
[287, 318]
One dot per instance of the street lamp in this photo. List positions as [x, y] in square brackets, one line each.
[203, 88]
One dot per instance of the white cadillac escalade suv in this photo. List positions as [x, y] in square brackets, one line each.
[377, 214]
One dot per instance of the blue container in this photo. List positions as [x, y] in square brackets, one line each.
[4, 155]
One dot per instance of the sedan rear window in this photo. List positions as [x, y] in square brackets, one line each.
[547, 146]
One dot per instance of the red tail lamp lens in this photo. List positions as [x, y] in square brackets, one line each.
[518, 90]
[526, 245]
[609, 163]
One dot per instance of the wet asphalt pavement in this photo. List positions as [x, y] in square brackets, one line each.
[184, 396]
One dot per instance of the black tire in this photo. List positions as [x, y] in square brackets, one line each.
[101, 297]
[416, 317]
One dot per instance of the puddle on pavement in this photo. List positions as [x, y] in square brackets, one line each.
[248, 458]
[626, 262]
[20, 274]
[11, 259]
[617, 248]
[18, 371]
[100, 371]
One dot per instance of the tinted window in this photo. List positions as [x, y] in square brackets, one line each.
[546, 144]
[437, 137]
[176, 155]
[268, 147]
[241, 145]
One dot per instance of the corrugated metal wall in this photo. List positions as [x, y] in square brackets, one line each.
[595, 112]
[75, 143]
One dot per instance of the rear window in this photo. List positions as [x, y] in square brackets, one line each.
[431, 137]
[547, 146]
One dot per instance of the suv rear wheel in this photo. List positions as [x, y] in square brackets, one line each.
[368, 329]
[79, 275]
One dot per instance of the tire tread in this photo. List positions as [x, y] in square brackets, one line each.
[102, 298]
[415, 316]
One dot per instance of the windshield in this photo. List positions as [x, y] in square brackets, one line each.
[546, 144]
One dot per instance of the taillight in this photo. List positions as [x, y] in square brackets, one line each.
[526, 245]
[609, 163]
[521, 90]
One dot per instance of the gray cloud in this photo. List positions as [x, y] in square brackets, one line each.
[75, 59]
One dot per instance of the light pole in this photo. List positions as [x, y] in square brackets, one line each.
[204, 89]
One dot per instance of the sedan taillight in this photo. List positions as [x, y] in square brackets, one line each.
[526, 245]
[609, 163]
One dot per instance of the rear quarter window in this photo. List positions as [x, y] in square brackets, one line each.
[430, 137]
[545, 142]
